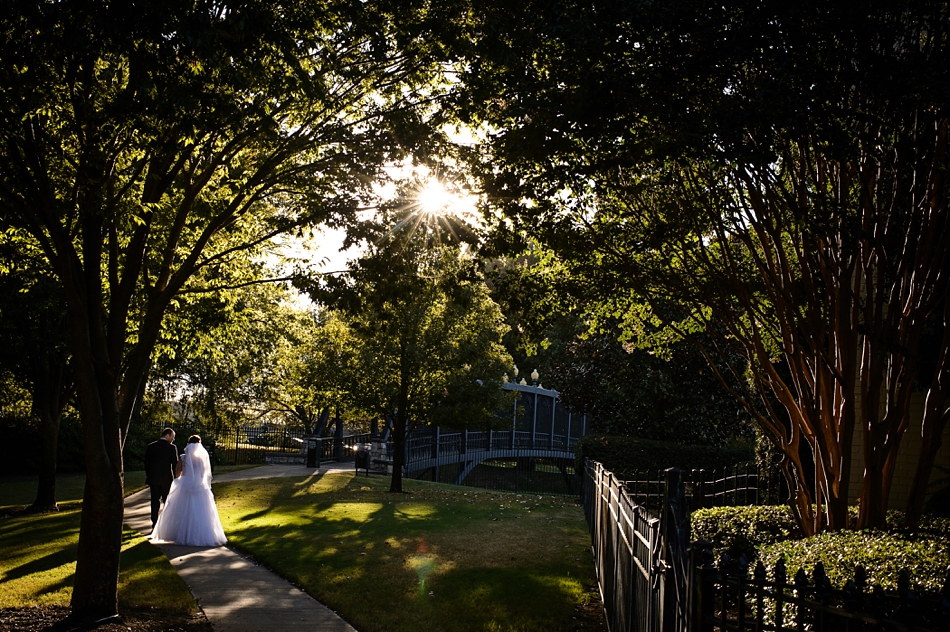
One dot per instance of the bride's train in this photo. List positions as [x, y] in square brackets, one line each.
[190, 516]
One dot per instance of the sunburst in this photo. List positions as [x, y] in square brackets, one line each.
[435, 199]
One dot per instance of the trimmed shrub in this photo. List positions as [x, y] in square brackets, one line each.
[882, 554]
[626, 454]
[738, 531]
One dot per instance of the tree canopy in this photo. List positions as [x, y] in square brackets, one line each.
[144, 142]
[773, 174]
[427, 336]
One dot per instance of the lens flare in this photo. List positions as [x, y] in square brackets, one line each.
[435, 199]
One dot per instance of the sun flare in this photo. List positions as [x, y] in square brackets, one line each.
[435, 199]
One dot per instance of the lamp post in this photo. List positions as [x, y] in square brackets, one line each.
[534, 377]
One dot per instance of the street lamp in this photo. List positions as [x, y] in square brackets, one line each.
[534, 377]
[516, 371]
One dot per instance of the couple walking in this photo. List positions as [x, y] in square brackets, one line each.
[190, 516]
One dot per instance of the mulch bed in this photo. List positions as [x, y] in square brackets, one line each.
[53, 619]
[590, 616]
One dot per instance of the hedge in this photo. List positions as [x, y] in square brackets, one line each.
[883, 555]
[768, 533]
[738, 531]
[627, 454]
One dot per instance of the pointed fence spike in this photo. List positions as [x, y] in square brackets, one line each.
[903, 582]
[801, 579]
[759, 572]
[781, 575]
[725, 564]
[819, 574]
[852, 596]
[860, 578]
[743, 567]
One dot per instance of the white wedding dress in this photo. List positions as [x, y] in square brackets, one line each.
[190, 516]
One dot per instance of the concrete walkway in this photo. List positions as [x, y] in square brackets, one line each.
[235, 594]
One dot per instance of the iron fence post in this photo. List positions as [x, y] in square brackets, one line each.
[675, 551]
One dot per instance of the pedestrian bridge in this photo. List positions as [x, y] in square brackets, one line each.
[540, 427]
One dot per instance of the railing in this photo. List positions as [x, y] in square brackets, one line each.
[652, 581]
[433, 443]
[518, 461]
[347, 452]
[729, 599]
[241, 446]
[626, 543]
[743, 484]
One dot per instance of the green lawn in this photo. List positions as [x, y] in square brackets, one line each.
[38, 562]
[437, 559]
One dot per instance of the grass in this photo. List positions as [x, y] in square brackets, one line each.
[436, 559]
[20, 490]
[38, 563]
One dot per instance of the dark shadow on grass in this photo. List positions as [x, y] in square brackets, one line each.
[42, 564]
[26, 530]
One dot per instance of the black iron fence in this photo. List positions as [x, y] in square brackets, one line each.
[257, 445]
[627, 550]
[516, 473]
[742, 484]
[652, 580]
[728, 598]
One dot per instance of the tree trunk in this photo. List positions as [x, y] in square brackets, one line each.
[399, 451]
[936, 417]
[96, 581]
[50, 392]
[934, 423]
[96, 375]
[49, 438]
[100, 530]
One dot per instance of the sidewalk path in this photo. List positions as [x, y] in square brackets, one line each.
[236, 594]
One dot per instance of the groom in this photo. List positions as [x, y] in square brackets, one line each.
[161, 460]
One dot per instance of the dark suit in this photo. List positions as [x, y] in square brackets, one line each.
[161, 457]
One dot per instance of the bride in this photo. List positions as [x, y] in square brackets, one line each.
[190, 516]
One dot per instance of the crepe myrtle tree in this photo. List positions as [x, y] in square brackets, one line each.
[143, 142]
[772, 174]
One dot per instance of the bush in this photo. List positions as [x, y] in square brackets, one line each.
[768, 533]
[737, 531]
[883, 555]
[625, 454]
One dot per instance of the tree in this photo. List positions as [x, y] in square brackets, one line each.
[33, 328]
[311, 369]
[777, 170]
[218, 348]
[626, 386]
[145, 142]
[427, 335]
[665, 395]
